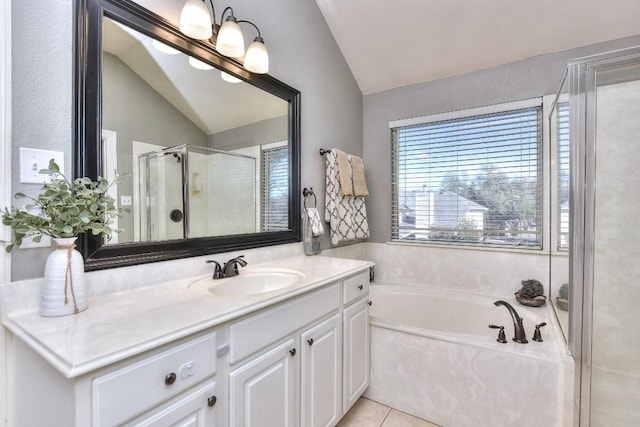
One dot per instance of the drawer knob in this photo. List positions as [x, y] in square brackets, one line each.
[310, 341]
[170, 378]
[292, 352]
[212, 401]
[370, 303]
[361, 287]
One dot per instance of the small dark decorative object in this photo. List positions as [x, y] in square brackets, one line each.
[531, 294]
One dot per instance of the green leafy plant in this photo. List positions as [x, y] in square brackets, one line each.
[63, 209]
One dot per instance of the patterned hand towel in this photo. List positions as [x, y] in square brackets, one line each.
[314, 219]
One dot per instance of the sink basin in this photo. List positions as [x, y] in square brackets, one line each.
[254, 281]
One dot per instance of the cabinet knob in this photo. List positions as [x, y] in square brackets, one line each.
[170, 378]
[292, 352]
[370, 303]
[361, 287]
[212, 401]
[310, 341]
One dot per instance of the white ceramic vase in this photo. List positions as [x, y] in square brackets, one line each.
[63, 290]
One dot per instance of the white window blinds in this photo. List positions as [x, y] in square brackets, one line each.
[474, 180]
[562, 130]
[274, 183]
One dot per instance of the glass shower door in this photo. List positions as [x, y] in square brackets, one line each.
[615, 376]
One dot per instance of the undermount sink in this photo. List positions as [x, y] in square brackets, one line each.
[255, 281]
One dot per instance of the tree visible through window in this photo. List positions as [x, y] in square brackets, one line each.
[470, 180]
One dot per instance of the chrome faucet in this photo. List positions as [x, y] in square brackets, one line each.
[230, 268]
[518, 330]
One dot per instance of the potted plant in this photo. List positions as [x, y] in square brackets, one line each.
[63, 210]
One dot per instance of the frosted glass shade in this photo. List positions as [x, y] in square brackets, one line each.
[257, 59]
[195, 20]
[230, 41]
[161, 47]
[229, 78]
[196, 63]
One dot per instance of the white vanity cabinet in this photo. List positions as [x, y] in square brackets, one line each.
[298, 360]
[356, 338]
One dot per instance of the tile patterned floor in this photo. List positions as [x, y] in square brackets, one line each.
[367, 413]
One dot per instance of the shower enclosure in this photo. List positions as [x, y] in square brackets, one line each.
[600, 101]
[185, 192]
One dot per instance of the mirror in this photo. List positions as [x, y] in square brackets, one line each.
[208, 153]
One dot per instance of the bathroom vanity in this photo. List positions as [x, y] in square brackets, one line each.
[180, 353]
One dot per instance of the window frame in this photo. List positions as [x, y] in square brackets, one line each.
[544, 181]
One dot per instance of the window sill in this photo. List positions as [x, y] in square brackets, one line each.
[532, 251]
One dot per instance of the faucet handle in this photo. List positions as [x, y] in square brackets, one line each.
[501, 337]
[217, 270]
[537, 336]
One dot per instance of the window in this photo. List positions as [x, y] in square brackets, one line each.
[274, 181]
[473, 179]
[562, 130]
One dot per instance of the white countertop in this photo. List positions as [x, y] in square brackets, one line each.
[120, 325]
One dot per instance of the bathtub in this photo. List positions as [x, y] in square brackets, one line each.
[433, 356]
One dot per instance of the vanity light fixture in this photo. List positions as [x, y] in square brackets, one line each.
[196, 63]
[196, 22]
[161, 47]
[229, 78]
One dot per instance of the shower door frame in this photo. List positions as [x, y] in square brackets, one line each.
[582, 75]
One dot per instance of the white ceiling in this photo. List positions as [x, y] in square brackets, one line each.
[394, 43]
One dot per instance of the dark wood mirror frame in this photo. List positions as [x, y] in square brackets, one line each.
[88, 125]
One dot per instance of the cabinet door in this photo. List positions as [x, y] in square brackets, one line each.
[262, 392]
[193, 408]
[321, 372]
[356, 352]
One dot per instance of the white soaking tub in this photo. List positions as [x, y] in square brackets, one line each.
[433, 356]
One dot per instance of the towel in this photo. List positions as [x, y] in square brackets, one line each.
[359, 182]
[314, 219]
[347, 215]
[338, 210]
[344, 173]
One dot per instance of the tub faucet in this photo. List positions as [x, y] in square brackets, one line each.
[230, 268]
[519, 335]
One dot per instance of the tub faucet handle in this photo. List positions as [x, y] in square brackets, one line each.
[537, 336]
[501, 337]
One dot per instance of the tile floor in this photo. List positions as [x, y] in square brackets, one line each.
[367, 413]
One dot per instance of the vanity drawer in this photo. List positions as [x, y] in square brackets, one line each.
[355, 287]
[258, 331]
[135, 388]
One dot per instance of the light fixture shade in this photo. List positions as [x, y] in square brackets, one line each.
[196, 63]
[195, 20]
[229, 78]
[230, 41]
[161, 47]
[257, 59]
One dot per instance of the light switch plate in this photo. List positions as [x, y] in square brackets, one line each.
[33, 160]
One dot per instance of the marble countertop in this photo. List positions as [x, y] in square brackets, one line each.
[122, 324]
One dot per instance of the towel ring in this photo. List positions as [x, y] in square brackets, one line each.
[307, 193]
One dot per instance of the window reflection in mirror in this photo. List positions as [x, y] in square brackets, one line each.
[201, 153]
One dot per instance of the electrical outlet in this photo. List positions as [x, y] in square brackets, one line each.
[32, 161]
[125, 200]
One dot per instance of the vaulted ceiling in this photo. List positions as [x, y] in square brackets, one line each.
[394, 43]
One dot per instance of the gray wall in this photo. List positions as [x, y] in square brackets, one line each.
[128, 103]
[302, 51]
[525, 79]
[262, 132]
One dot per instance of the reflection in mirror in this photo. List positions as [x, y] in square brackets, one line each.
[202, 152]
[560, 216]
